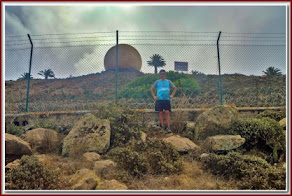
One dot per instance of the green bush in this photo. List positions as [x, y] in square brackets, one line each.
[31, 175]
[140, 88]
[261, 133]
[14, 130]
[162, 157]
[187, 86]
[124, 124]
[148, 79]
[44, 123]
[153, 157]
[250, 172]
[129, 160]
[276, 115]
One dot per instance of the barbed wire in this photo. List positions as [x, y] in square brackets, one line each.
[73, 46]
[72, 33]
[16, 49]
[121, 37]
[239, 37]
[163, 32]
[253, 33]
[149, 44]
[61, 42]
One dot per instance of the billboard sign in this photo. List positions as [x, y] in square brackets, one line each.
[180, 66]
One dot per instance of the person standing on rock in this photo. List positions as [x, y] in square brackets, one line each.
[163, 97]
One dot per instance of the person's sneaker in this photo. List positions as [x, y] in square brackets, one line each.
[168, 130]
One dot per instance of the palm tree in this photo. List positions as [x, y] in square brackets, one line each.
[272, 71]
[47, 73]
[25, 76]
[156, 61]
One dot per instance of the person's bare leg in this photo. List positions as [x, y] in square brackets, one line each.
[167, 116]
[161, 118]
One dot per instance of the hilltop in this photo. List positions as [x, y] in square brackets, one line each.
[85, 92]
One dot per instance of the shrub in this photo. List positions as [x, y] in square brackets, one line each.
[139, 88]
[31, 175]
[251, 172]
[14, 130]
[153, 157]
[187, 86]
[144, 80]
[261, 133]
[123, 121]
[276, 115]
[129, 160]
[163, 158]
[45, 123]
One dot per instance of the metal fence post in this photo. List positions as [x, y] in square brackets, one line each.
[29, 71]
[117, 63]
[220, 80]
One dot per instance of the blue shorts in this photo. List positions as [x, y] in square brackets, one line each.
[161, 105]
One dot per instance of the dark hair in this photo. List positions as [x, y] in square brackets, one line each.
[162, 71]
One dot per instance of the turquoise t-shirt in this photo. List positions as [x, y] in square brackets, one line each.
[163, 89]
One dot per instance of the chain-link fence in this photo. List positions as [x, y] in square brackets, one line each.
[70, 72]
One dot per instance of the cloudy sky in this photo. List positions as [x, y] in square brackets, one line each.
[73, 39]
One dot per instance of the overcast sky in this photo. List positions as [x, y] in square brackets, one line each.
[195, 43]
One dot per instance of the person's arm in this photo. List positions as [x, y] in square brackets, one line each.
[153, 94]
[152, 91]
[173, 92]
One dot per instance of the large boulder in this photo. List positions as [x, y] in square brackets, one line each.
[42, 140]
[223, 142]
[84, 179]
[102, 167]
[215, 121]
[112, 185]
[15, 148]
[181, 144]
[89, 133]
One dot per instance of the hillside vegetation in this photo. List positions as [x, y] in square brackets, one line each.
[86, 92]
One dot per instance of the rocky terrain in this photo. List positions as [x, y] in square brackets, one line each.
[114, 150]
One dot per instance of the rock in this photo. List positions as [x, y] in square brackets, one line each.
[84, 179]
[104, 166]
[283, 123]
[204, 156]
[89, 133]
[13, 164]
[42, 140]
[223, 142]
[112, 185]
[92, 156]
[216, 121]
[181, 144]
[143, 136]
[15, 148]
